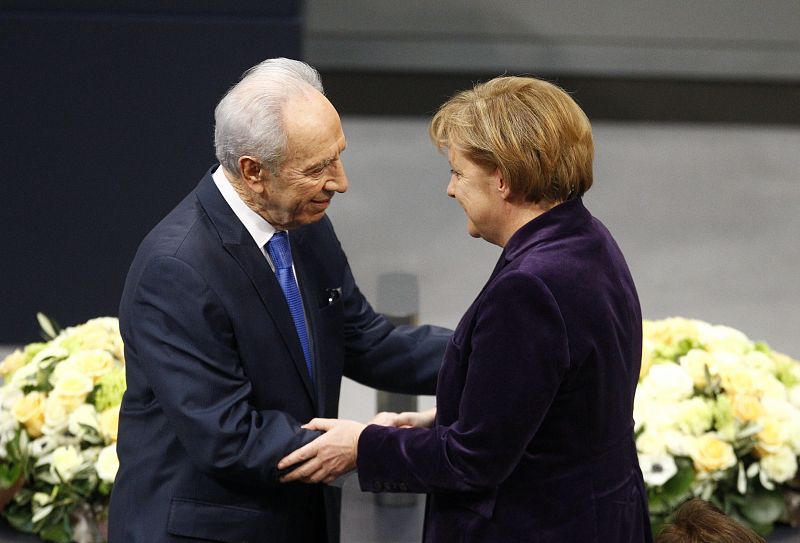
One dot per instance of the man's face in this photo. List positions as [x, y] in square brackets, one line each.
[311, 172]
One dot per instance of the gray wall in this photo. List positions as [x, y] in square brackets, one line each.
[747, 39]
[707, 216]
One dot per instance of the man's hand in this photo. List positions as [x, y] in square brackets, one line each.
[329, 456]
[407, 419]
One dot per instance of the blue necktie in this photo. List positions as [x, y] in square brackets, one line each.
[281, 255]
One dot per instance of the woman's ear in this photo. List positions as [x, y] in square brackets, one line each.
[501, 184]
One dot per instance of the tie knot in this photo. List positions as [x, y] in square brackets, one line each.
[278, 249]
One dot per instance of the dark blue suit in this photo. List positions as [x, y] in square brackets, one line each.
[533, 439]
[217, 382]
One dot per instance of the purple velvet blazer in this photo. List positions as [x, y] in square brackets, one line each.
[533, 439]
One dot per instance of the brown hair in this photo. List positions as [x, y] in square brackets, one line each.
[529, 129]
[698, 521]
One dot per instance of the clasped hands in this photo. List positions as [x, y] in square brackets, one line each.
[334, 453]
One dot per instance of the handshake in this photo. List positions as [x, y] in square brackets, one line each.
[334, 453]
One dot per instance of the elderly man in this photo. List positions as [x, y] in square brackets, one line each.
[239, 316]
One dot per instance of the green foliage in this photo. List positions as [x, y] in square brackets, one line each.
[109, 390]
[662, 500]
[763, 509]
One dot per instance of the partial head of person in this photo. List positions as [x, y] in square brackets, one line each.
[513, 143]
[698, 521]
[279, 141]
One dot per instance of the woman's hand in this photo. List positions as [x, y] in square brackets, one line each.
[407, 419]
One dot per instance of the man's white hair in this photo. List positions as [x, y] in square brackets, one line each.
[248, 119]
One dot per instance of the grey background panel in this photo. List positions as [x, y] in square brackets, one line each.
[725, 39]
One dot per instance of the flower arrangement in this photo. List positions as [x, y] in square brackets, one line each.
[717, 416]
[59, 411]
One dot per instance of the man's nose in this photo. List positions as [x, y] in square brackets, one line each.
[338, 181]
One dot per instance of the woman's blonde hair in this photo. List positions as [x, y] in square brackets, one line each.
[529, 129]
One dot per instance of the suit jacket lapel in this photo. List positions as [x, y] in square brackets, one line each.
[240, 246]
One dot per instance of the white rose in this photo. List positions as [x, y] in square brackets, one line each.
[694, 416]
[651, 442]
[769, 386]
[668, 382]
[657, 469]
[9, 395]
[696, 362]
[83, 416]
[66, 461]
[653, 414]
[63, 367]
[793, 426]
[26, 375]
[794, 396]
[55, 417]
[72, 388]
[724, 338]
[760, 361]
[107, 464]
[678, 444]
[778, 408]
[8, 430]
[93, 363]
[779, 466]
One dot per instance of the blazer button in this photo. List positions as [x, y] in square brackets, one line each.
[402, 487]
[377, 486]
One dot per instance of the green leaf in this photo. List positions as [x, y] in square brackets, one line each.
[762, 347]
[50, 328]
[763, 508]
[676, 490]
[9, 474]
[657, 523]
[60, 533]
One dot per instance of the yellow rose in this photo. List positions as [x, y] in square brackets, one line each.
[747, 408]
[107, 464]
[109, 423]
[93, 363]
[72, 389]
[772, 436]
[710, 453]
[29, 411]
[737, 379]
[12, 363]
[670, 331]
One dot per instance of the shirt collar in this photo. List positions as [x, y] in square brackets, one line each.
[260, 230]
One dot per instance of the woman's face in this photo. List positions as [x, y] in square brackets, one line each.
[477, 189]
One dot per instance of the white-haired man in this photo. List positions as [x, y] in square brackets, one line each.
[239, 316]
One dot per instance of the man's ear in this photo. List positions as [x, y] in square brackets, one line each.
[253, 173]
